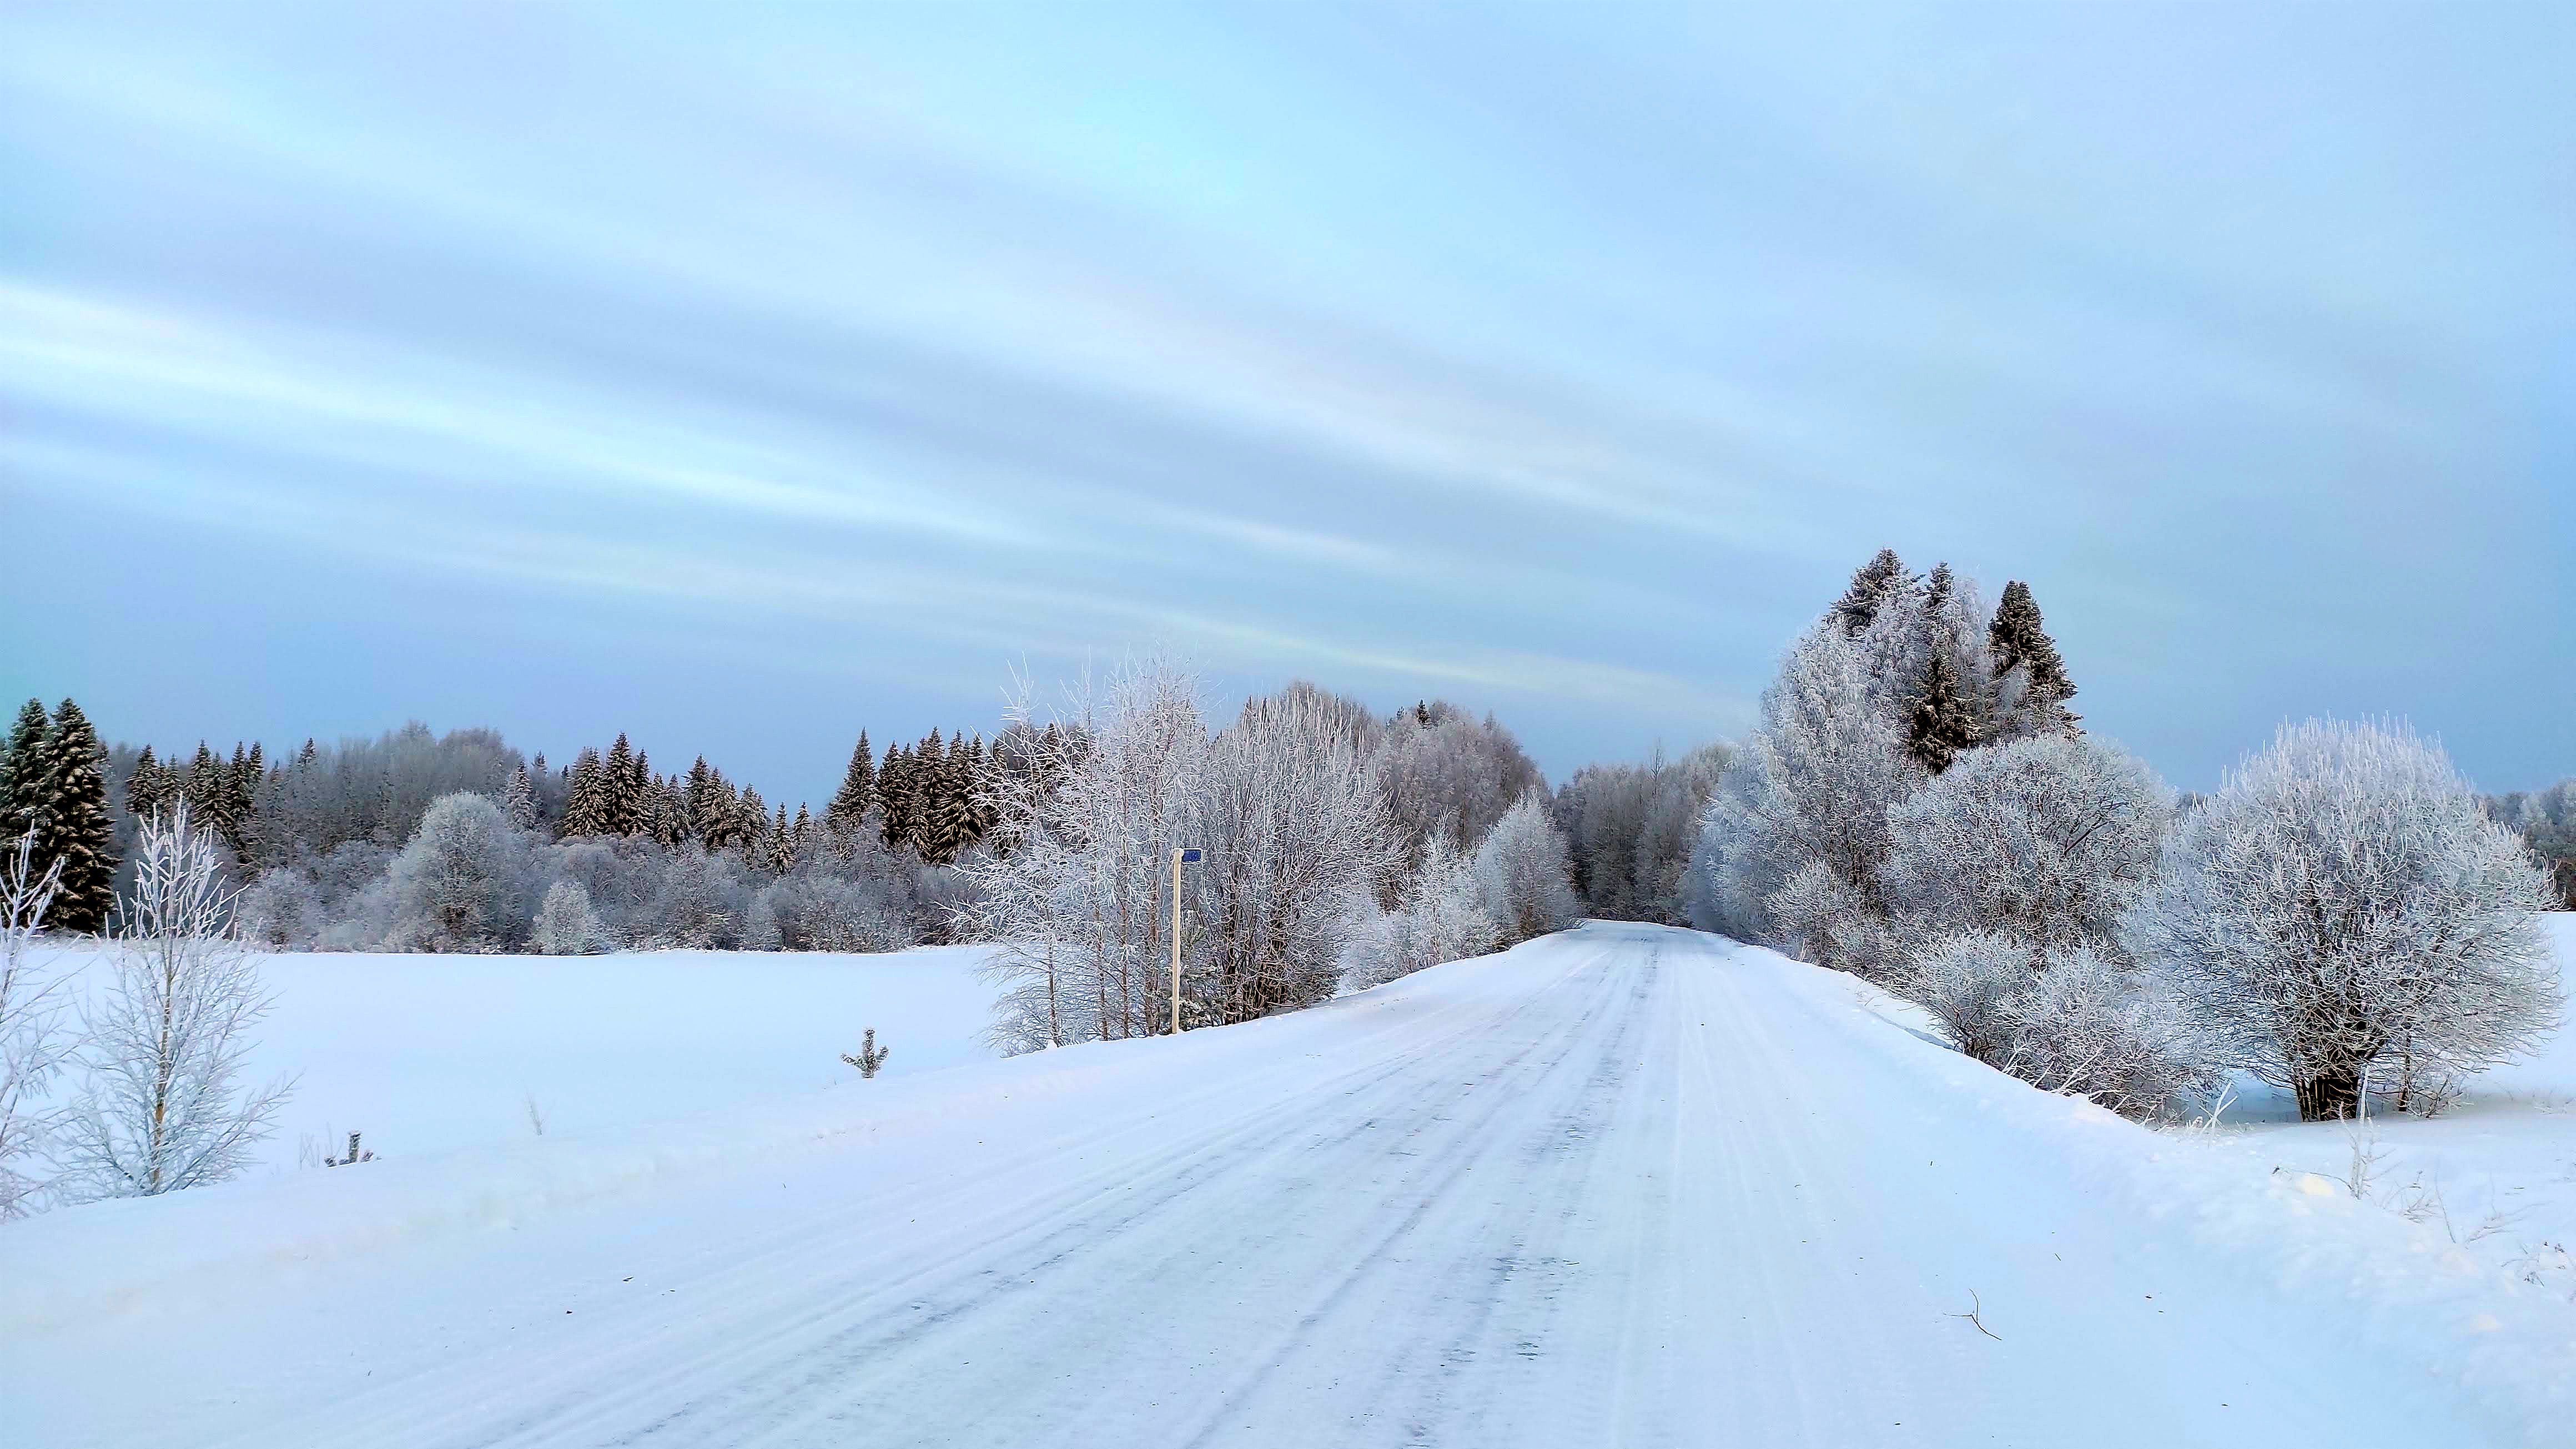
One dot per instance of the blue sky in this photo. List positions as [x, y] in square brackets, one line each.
[739, 380]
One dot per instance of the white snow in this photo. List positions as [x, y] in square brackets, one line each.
[426, 1053]
[1624, 1185]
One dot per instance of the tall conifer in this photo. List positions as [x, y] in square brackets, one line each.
[1870, 586]
[76, 829]
[2020, 640]
[849, 806]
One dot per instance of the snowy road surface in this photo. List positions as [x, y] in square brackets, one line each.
[1623, 1186]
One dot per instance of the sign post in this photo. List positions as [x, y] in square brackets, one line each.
[1178, 857]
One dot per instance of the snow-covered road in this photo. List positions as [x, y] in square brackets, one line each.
[1624, 1186]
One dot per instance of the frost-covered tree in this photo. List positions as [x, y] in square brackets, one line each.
[463, 883]
[1442, 770]
[2341, 914]
[1523, 875]
[2048, 840]
[160, 1109]
[519, 800]
[1076, 893]
[33, 1044]
[565, 924]
[1811, 786]
[1630, 830]
[1438, 917]
[1290, 830]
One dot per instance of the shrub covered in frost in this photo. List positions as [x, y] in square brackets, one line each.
[2342, 911]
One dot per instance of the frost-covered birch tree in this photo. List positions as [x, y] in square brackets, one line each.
[2341, 913]
[159, 1108]
[1291, 829]
[33, 1043]
[1524, 875]
[1810, 790]
[1076, 894]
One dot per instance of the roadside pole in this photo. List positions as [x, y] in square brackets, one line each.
[1178, 856]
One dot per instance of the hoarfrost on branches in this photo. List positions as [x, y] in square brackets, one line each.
[160, 1110]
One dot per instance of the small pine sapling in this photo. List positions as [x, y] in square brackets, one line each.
[870, 1055]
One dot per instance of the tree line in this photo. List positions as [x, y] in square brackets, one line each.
[1918, 804]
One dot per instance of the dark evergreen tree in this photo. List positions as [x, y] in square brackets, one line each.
[1943, 721]
[1870, 587]
[849, 806]
[208, 790]
[75, 827]
[22, 769]
[895, 797]
[700, 804]
[2020, 641]
[149, 790]
[586, 808]
[623, 787]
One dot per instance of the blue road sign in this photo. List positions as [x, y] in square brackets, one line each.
[1189, 857]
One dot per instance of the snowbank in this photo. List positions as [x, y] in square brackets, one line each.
[2468, 1312]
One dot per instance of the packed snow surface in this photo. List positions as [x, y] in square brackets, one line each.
[426, 1053]
[1621, 1186]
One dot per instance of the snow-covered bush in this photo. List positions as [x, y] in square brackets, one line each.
[2048, 840]
[2063, 1018]
[1440, 917]
[2086, 1026]
[158, 1109]
[1522, 874]
[815, 911]
[1964, 980]
[283, 908]
[1816, 915]
[2342, 908]
[702, 900]
[565, 924]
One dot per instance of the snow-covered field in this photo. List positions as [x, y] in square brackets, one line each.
[423, 1054]
[1625, 1185]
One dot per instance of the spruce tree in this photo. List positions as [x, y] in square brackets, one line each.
[701, 805]
[208, 790]
[622, 796]
[1870, 586]
[895, 797]
[76, 828]
[2019, 640]
[586, 807]
[849, 806]
[147, 789]
[1943, 722]
[22, 771]
[519, 799]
